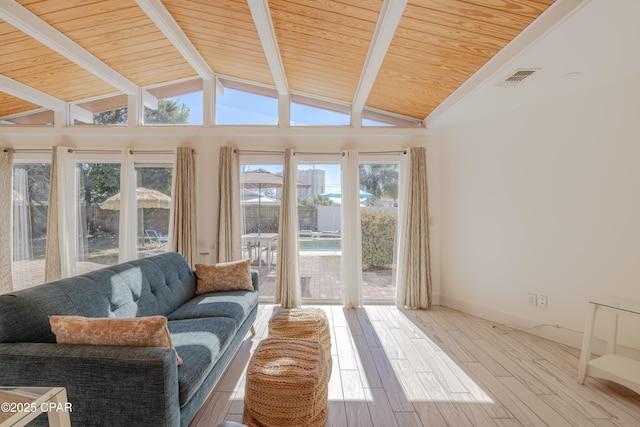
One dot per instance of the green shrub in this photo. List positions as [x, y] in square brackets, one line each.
[378, 239]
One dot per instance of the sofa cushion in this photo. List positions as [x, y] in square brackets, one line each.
[235, 305]
[200, 342]
[224, 276]
[146, 287]
[132, 332]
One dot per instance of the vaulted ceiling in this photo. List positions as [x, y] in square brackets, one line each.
[399, 56]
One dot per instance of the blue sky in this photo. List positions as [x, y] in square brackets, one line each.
[331, 178]
[244, 108]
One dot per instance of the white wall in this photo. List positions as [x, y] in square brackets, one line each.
[545, 199]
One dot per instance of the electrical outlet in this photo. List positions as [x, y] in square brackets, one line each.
[532, 300]
[542, 301]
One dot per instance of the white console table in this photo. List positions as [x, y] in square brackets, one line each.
[611, 366]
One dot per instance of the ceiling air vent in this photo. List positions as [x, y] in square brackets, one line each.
[517, 77]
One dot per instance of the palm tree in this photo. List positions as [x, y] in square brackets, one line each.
[380, 180]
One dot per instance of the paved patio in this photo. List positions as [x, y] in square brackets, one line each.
[320, 279]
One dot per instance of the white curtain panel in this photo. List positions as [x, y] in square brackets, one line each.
[287, 292]
[128, 232]
[182, 236]
[351, 275]
[6, 168]
[61, 249]
[414, 271]
[229, 215]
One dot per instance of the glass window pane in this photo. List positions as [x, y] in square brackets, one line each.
[260, 201]
[319, 224]
[244, 107]
[379, 218]
[313, 112]
[111, 111]
[98, 228]
[174, 104]
[153, 195]
[39, 117]
[30, 209]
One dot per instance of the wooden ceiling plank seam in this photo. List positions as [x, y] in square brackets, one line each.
[87, 16]
[332, 53]
[437, 17]
[262, 18]
[373, 6]
[185, 13]
[390, 15]
[232, 9]
[30, 94]
[294, 29]
[320, 88]
[213, 38]
[44, 7]
[481, 13]
[430, 54]
[228, 63]
[311, 73]
[170, 28]
[342, 42]
[424, 80]
[96, 36]
[441, 12]
[313, 19]
[448, 35]
[327, 10]
[525, 8]
[314, 62]
[31, 24]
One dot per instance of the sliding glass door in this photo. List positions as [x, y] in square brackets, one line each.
[260, 195]
[320, 231]
[379, 219]
[98, 216]
[30, 204]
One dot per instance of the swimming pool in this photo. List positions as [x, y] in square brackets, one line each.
[319, 245]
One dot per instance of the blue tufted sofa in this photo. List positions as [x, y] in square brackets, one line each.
[126, 386]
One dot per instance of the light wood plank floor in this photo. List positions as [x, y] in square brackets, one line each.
[440, 367]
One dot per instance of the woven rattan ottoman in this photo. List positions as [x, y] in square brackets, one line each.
[308, 323]
[287, 384]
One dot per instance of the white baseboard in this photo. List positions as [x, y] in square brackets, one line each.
[555, 333]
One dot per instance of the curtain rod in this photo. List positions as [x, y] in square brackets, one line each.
[316, 152]
[151, 152]
[71, 150]
[27, 150]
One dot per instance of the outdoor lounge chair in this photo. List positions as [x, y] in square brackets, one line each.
[156, 239]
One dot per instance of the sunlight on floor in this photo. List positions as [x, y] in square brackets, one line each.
[378, 349]
[391, 350]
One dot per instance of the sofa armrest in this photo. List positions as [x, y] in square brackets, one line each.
[255, 279]
[105, 385]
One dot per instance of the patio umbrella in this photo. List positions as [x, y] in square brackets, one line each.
[260, 179]
[145, 198]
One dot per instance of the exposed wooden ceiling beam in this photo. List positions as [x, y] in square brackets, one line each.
[388, 21]
[21, 18]
[22, 91]
[165, 22]
[266, 32]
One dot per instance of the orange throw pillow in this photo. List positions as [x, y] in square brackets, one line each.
[224, 276]
[149, 331]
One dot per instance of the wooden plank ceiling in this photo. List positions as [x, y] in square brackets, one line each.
[323, 46]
